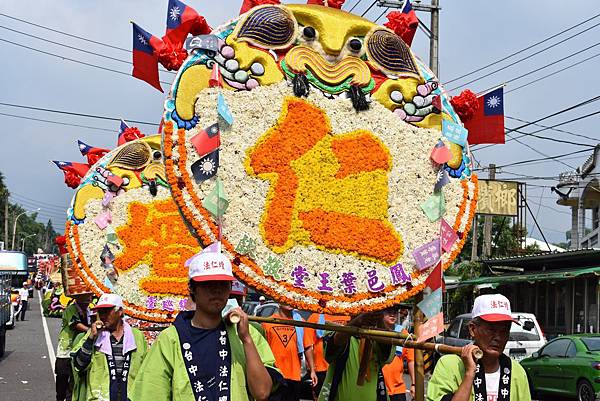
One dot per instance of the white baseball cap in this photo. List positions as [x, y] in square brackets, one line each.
[210, 266]
[492, 308]
[109, 301]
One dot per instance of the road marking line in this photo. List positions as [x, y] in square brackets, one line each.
[51, 355]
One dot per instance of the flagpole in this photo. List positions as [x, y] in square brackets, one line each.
[493, 88]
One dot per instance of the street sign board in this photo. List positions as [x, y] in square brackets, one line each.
[497, 197]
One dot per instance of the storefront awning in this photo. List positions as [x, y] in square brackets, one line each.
[531, 277]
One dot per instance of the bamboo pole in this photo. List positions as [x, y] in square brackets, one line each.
[419, 366]
[383, 336]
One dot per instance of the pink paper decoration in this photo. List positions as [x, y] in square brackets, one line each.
[440, 153]
[103, 220]
[449, 236]
[431, 328]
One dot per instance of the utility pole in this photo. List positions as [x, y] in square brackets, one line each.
[487, 224]
[474, 238]
[433, 31]
[433, 34]
[434, 62]
[5, 219]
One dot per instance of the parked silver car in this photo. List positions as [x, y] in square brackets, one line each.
[525, 338]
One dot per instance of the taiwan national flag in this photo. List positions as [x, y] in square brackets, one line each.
[145, 62]
[77, 168]
[92, 153]
[404, 22]
[487, 125]
[181, 21]
[122, 127]
[207, 140]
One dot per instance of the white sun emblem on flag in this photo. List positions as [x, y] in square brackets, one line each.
[493, 102]
[142, 39]
[174, 13]
[207, 167]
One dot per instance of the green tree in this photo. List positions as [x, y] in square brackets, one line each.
[26, 226]
[505, 240]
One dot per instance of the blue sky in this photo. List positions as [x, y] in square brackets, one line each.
[473, 33]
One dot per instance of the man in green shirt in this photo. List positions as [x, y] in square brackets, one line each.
[355, 364]
[495, 377]
[202, 357]
[108, 357]
[75, 320]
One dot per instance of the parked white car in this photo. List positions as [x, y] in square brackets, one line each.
[525, 338]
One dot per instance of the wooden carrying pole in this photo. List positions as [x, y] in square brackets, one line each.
[384, 336]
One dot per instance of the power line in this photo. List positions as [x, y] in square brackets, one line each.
[76, 114]
[580, 104]
[551, 160]
[22, 198]
[77, 48]
[369, 8]
[553, 129]
[553, 73]
[47, 212]
[523, 50]
[57, 122]
[527, 124]
[71, 59]
[540, 178]
[539, 159]
[43, 206]
[541, 153]
[556, 125]
[381, 15]
[532, 134]
[65, 33]
[64, 45]
[354, 6]
[527, 73]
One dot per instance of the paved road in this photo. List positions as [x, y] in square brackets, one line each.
[26, 371]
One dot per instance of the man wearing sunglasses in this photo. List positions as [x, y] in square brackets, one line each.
[495, 377]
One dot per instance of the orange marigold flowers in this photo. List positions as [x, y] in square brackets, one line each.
[311, 171]
[366, 237]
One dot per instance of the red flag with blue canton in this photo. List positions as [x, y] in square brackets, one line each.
[487, 124]
[73, 172]
[181, 21]
[404, 23]
[78, 168]
[207, 140]
[122, 127]
[92, 153]
[127, 133]
[145, 62]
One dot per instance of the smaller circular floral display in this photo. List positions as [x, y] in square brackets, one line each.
[125, 234]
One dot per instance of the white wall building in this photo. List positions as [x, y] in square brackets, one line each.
[580, 190]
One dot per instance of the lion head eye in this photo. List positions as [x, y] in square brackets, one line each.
[269, 27]
[388, 51]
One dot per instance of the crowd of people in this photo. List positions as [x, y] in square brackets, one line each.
[202, 356]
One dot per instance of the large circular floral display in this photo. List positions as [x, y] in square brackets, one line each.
[125, 234]
[310, 141]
